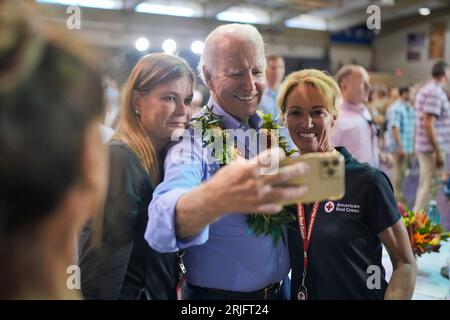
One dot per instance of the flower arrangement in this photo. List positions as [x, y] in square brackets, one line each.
[424, 235]
[212, 127]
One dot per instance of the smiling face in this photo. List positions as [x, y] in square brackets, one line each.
[236, 76]
[165, 109]
[308, 120]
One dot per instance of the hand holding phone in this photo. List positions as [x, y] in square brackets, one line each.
[325, 179]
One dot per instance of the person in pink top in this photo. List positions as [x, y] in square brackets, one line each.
[355, 128]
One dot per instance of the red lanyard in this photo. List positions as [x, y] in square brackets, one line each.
[301, 226]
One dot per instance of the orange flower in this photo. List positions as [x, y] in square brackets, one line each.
[418, 238]
[421, 219]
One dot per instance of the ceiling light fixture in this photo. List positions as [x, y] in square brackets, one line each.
[169, 46]
[424, 11]
[142, 44]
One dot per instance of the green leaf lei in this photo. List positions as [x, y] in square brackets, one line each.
[209, 122]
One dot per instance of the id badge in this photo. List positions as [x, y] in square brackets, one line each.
[302, 294]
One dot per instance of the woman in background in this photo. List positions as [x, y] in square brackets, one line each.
[53, 165]
[116, 261]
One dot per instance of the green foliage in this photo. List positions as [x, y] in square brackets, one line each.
[260, 224]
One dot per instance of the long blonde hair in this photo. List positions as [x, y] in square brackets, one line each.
[151, 71]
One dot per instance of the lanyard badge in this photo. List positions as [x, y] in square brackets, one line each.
[306, 238]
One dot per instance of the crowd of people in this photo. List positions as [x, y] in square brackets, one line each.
[144, 219]
[414, 123]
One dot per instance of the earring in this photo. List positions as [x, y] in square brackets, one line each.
[137, 112]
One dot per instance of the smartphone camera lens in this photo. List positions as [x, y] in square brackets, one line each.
[330, 172]
[325, 163]
[335, 162]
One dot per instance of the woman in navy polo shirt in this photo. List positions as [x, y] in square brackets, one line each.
[344, 244]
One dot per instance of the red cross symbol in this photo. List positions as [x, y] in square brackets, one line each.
[329, 206]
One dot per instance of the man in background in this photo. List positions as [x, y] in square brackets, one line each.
[275, 75]
[400, 126]
[433, 133]
[355, 128]
[275, 72]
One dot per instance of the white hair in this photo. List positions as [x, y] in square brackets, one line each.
[346, 71]
[239, 31]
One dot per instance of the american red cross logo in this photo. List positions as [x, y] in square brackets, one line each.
[329, 206]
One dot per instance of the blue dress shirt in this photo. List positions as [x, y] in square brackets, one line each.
[226, 254]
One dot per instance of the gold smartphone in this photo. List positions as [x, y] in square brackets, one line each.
[325, 178]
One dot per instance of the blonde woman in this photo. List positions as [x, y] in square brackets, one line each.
[116, 262]
[345, 247]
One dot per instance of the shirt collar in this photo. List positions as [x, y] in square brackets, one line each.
[350, 106]
[231, 122]
[347, 155]
[272, 92]
[437, 84]
[406, 104]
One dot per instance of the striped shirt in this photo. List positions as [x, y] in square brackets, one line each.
[401, 115]
[432, 99]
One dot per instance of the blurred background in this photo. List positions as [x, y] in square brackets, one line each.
[324, 34]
